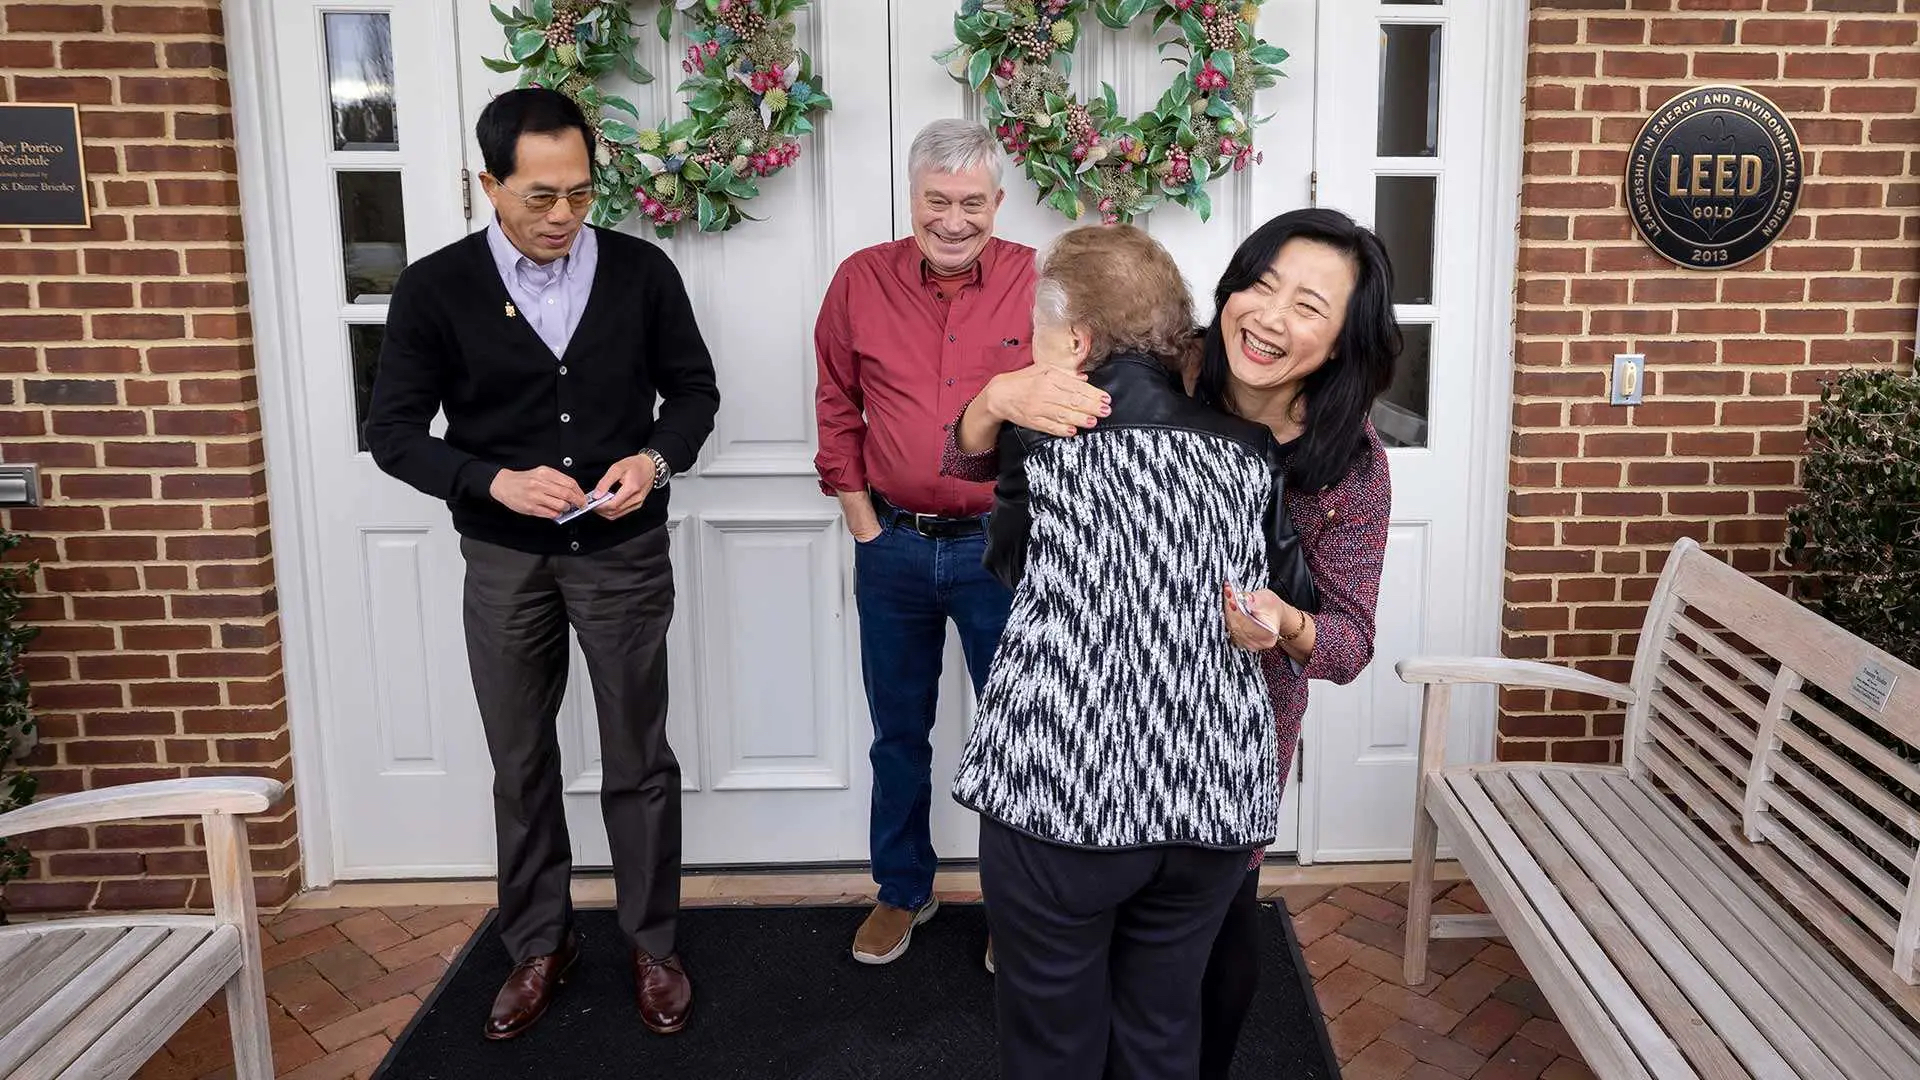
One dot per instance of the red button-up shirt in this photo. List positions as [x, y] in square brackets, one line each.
[900, 352]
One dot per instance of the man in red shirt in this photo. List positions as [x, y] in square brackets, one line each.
[909, 332]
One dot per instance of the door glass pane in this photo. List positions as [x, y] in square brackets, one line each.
[360, 80]
[373, 234]
[1400, 414]
[363, 348]
[1409, 91]
[1392, 3]
[1403, 216]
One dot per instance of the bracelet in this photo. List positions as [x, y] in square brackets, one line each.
[1301, 629]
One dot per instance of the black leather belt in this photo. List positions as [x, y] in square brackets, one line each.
[928, 525]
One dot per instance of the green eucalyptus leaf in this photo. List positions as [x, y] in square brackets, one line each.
[502, 66]
[543, 11]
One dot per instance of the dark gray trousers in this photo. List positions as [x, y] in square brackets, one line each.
[517, 610]
[1099, 954]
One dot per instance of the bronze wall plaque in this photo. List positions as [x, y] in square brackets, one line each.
[1714, 176]
[43, 181]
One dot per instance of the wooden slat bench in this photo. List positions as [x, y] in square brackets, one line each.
[95, 997]
[1738, 899]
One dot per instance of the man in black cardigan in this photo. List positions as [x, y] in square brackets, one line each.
[549, 344]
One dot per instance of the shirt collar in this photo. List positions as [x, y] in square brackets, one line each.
[512, 263]
[973, 276]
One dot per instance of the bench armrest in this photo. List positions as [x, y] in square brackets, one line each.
[159, 798]
[1503, 672]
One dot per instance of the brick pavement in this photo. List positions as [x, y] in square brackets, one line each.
[344, 982]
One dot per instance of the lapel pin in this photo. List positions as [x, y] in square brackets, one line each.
[511, 312]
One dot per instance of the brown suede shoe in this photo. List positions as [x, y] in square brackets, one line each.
[664, 991]
[530, 989]
[889, 930]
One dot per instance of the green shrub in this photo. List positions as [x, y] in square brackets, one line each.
[16, 716]
[1858, 532]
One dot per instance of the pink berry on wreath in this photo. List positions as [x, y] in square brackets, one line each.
[1004, 69]
[713, 48]
[1206, 12]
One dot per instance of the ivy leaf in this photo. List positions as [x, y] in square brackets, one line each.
[1131, 9]
[625, 106]
[1112, 100]
[800, 126]
[502, 17]
[1223, 60]
[709, 213]
[1202, 169]
[1201, 204]
[1063, 201]
[505, 67]
[1111, 14]
[543, 11]
[978, 67]
[1218, 107]
[666, 22]
[619, 132]
[526, 44]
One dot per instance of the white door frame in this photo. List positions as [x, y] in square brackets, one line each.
[1501, 102]
[266, 214]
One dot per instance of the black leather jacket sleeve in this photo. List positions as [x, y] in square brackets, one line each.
[1007, 527]
[1287, 570]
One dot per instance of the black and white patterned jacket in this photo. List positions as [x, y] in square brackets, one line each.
[1118, 713]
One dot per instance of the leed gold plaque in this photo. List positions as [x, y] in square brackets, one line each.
[1714, 176]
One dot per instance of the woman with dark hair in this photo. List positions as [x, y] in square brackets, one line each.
[1303, 340]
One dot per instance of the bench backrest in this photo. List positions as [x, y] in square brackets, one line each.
[1796, 742]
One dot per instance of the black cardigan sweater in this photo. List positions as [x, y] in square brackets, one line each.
[455, 342]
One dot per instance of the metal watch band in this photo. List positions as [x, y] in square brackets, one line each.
[662, 472]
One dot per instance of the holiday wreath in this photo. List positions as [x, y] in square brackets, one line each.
[1018, 53]
[750, 93]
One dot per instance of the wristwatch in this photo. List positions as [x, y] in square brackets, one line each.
[661, 471]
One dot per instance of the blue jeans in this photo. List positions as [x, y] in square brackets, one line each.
[907, 587]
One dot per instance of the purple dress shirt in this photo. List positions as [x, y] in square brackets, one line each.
[551, 297]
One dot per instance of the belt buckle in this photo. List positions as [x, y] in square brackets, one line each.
[919, 525]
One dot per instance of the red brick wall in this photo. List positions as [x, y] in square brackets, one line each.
[1734, 357]
[127, 373]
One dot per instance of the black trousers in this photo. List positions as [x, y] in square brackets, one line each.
[517, 610]
[1100, 954]
[1233, 973]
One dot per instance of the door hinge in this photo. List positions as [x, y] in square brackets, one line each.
[1313, 188]
[466, 194]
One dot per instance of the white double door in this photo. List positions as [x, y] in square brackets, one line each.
[767, 715]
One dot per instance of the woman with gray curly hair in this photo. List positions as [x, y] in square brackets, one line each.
[1123, 759]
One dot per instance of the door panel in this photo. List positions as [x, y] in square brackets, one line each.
[923, 92]
[1401, 148]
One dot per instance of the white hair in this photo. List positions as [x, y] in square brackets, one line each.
[952, 146]
[1049, 303]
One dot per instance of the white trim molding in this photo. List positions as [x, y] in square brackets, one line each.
[266, 216]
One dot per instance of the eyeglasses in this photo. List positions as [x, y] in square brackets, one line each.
[542, 201]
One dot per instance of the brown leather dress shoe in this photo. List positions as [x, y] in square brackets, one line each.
[664, 991]
[530, 989]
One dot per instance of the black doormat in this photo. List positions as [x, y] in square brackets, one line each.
[778, 997]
